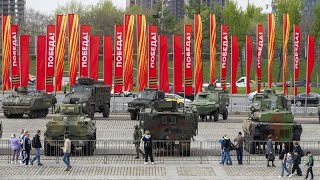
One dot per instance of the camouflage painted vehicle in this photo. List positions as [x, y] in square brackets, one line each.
[319, 112]
[95, 94]
[270, 114]
[34, 104]
[72, 121]
[166, 121]
[212, 102]
[145, 99]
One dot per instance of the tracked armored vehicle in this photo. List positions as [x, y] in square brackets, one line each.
[95, 95]
[212, 102]
[71, 120]
[145, 99]
[270, 114]
[34, 104]
[167, 122]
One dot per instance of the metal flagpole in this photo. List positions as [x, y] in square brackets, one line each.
[231, 74]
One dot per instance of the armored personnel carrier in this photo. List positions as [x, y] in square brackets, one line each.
[212, 102]
[34, 104]
[96, 96]
[72, 121]
[166, 121]
[270, 114]
[145, 99]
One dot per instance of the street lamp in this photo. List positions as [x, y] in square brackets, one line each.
[164, 4]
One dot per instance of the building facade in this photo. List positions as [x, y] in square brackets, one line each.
[14, 8]
[307, 10]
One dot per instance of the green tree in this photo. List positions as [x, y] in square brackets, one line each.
[315, 31]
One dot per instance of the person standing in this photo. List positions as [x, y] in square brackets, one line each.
[66, 152]
[26, 148]
[283, 161]
[137, 135]
[221, 144]
[226, 151]
[239, 147]
[147, 147]
[36, 143]
[270, 151]
[297, 154]
[309, 165]
[15, 147]
[21, 140]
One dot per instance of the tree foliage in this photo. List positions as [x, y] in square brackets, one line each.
[315, 31]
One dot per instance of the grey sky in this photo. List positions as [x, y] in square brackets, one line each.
[47, 6]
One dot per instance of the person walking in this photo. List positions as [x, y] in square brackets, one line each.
[221, 143]
[289, 161]
[36, 143]
[66, 152]
[283, 161]
[26, 148]
[226, 151]
[137, 135]
[270, 151]
[147, 139]
[21, 140]
[239, 147]
[309, 165]
[297, 154]
[15, 147]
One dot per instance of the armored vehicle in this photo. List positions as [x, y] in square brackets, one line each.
[167, 122]
[212, 101]
[72, 121]
[145, 99]
[34, 104]
[95, 94]
[270, 115]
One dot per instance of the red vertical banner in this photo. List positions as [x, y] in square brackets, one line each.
[84, 50]
[24, 59]
[5, 52]
[310, 61]
[198, 53]
[94, 57]
[15, 65]
[187, 60]
[142, 52]
[259, 41]
[224, 55]
[234, 63]
[128, 52]
[177, 64]
[107, 60]
[271, 41]
[152, 52]
[50, 57]
[249, 62]
[61, 26]
[213, 47]
[164, 74]
[73, 37]
[286, 34]
[41, 63]
[296, 54]
[118, 59]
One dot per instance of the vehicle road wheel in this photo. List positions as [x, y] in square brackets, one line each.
[180, 105]
[91, 112]
[47, 149]
[133, 116]
[225, 115]
[216, 115]
[298, 103]
[252, 148]
[185, 149]
[106, 110]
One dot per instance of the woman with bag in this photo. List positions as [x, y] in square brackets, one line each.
[270, 151]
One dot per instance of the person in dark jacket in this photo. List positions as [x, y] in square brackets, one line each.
[37, 145]
[309, 165]
[270, 151]
[297, 154]
[147, 147]
[26, 148]
[226, 147]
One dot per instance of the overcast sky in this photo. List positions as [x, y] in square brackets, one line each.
[47, 6]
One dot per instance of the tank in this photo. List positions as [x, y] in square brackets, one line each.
[166, 121]
[212, 102]
[34, 104]
[270, 114]
[145, 99]
[70, 120]
[95, 94]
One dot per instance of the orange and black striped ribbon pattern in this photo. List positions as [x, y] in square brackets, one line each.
[213, 47]
[5, 52]
[271, 41]
[142, 52]
[73, 37]
[198, 53]
[128, 52]
[286, 34]
[61, 24]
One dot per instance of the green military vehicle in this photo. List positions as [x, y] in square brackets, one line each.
[34, 104]
[270, 115]
[95, 95]
[72, 121]
[171, 126]
[212, 102]
[145, 99]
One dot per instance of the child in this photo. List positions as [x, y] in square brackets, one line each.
[309, 164]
